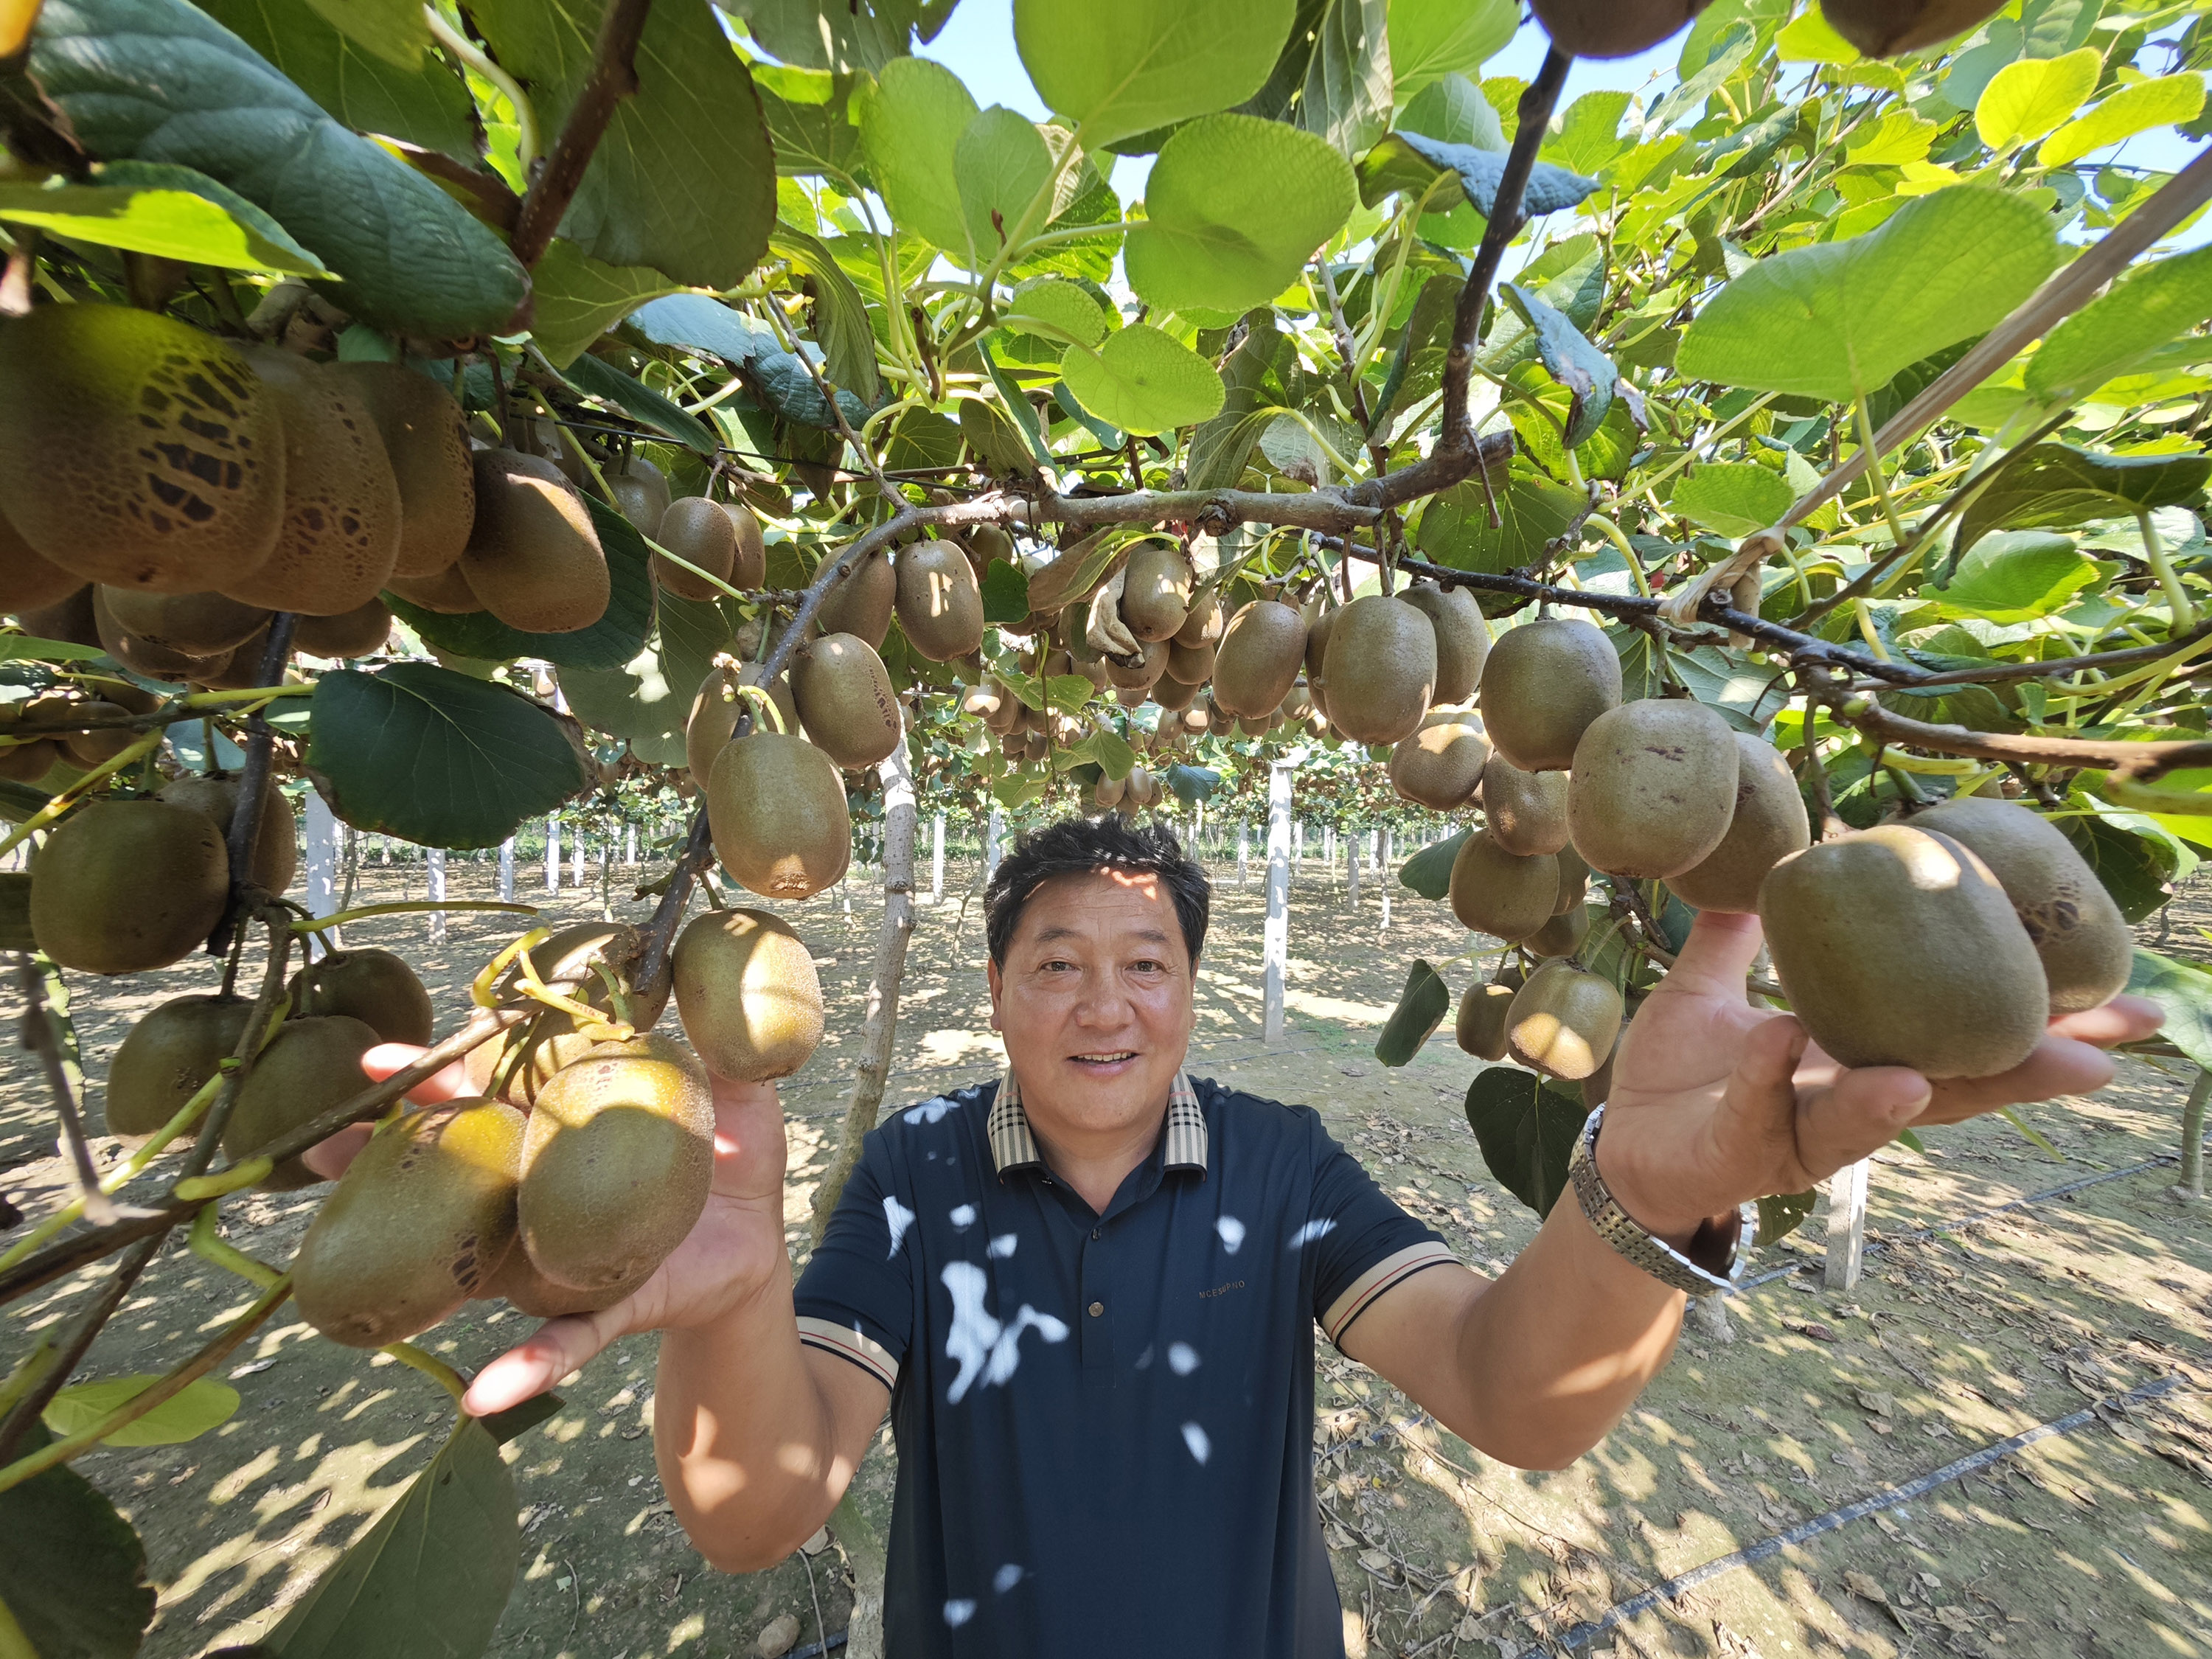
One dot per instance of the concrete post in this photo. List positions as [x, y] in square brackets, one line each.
[507, 871]
[1243, 851]
[992, 832]
[1328, 849]
[936, 861]
[1847, 1204]
[1276, 940]
[552, 855]
[629, 846]
[322, 864]
[1352, 860]
[1383, 871]
[434, 862]
[577, 879]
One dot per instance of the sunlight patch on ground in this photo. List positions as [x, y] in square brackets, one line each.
[955, 1045]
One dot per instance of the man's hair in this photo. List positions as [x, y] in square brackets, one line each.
[1083, 846]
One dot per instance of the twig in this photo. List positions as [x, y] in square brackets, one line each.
[40, 1037]
[613, 78]
[1873, 720]
[1816, 774]
[254, 783]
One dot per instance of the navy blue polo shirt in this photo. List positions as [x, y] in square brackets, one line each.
[1105, 1422]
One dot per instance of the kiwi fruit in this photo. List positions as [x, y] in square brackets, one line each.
[1168, 692]
[715, 710]
[616, 1157]
[1156, 591]
[519, 1283]
[234, 670]
[940, 607]
[361, 632]
[167, 1055]
[1653, 788]
[154, 662]
[696, 530]
[447, 592]
[27, 763]
[136, 450]
[533, 559]
[2086, 944]
[1896, 947]
[1883, 28]
[1262, 650]
[1110, 793]
[121, 886]
[860, 601]
[1500, 893]
[776, 808]
[419, 1223]
[71, 618]
[375, 987]
[1439, 765]
[1380, 668]
[28, 582]
[1613, 28]
[342, 510]
[1462, 638]
[747, 995]
[1527, 811]
[846, 700]
[1563, 935]
[1564, 1021]
[1192, 665]
[188, 624]
[1543, 683]
[1139, 673]
[1140, 787]
[749, 570]
[522, 1059]
[309, 1067]
[1574, 879]
[640, 493]
[1481, 1028]
[426, 442]
[276, 858]
[91, 747]
[1203, 623]
[1769, 824]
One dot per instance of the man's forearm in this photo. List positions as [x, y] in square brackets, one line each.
[746, 1438]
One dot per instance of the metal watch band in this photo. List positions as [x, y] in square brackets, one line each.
[1715, 1256]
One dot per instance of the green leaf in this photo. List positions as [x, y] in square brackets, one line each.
[2057, 486]
[1192, 784]
[1428, 872]
[910, 128]
[74, 1573]
[1812, 39]
[1065, 309]
[1479, 172]
[1898, 138]
[2119, 331]
[2026, 100]
[1782, 1214]
[1000, 164]
[412, 259]
[1110, 752]
[997, 441]
[2017, 576]
[1454, 110]
[365, 64]
[1143, 381]
[647, 701]
[1006, 593]
[430, 1579]
[1126, 68]
[2134, 868]
[1733, 498]
[1588, 137]
[2185, 991]
[699, 322]
[200, 1406]
[1221, 448]
[189, 217]
[503, 1426]
[1333, 78]
[1532, 510]
[840, 34]
[1832, 319]
[578, 299]
[785, 386]
[808, 113]
[596, 378]
[1526, 1131]
[1432, 39]
[1234, 208]
[1569, 277]
[684, 178]
[1421, 1008]
[1587, 373]
[2167, 101]
[15, 647]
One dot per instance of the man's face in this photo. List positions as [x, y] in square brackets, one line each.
[1095, 1001]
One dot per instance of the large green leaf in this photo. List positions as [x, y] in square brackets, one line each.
[1532, 511]
[1001, 165]
[578, 299]
[2167, 101]
[1479, 172]
[2017, 575]
[1121, 69]
[2134, 868]
[1454, 110]
[1421, 1008]
[160, 81]
[147, 206]
[2185, 991]
[1833, 320]
[1234, 208]
[2026, 100]
[73, 1572]
[808, 117]
[1143, 381]
[1006, 593]
[1526, 1132]
[1587, 373]
[1192, 784]
[430, 1579]
[435, 757]
[320, 46]
[1733, 498]
[1221, 447]
[2057, 486]
[841, 34]
[701, 323]
[684, 178]
[1428, 872]
[1334, 77]
[2118, 331]
[647, 701]
[910, 127]
[596, 378]
[1432, 39]
[200, 1406]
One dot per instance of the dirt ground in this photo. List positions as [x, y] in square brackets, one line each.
[2093, 1541]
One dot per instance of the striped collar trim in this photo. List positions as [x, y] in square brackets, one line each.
[1013, 1147]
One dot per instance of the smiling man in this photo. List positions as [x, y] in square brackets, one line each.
[1088, 1292]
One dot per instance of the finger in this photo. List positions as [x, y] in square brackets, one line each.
[560, 1346]
[1717, 956]
[2123, 1019]
[329, 1158]
[387, 1058]
[2059, 1065]
[1858, 1115]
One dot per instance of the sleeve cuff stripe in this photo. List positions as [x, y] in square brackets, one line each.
[849, 1344]
[1391, 1270]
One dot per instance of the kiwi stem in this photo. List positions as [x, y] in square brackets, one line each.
[347, 918]
[446, 1376]
[204, 1239]
[480, 989]
[253, 791]
[2177, 597]
[470, 56]
[1880, 479]
[759, 696]
[68, 798]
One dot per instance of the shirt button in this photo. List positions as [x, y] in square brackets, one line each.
[1097, 1308]
[1095, 1232]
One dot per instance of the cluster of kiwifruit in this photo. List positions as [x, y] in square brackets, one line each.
[1944, 943]
[1880, 28]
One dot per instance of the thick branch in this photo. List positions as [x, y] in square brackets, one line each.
[1878, 722]
[254, 783]
[613, 78]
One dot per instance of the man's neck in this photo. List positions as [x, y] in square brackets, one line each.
[1095, 1162]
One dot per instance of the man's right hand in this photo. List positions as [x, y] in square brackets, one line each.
[735, 1251]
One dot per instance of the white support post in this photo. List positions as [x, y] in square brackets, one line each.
[552, 855]
[936, 861]
[1297, 844]
[1276, 940]
[629, 847]
[1197, 822]
[1847, 1203]
[1352, 860]
[1243, 851]
[507, 871]
[435, 862]
[1328, 850]
[992, 831]
[1382, 872]
[322, 864]
[577, 879]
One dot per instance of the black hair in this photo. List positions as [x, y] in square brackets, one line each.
[1083, 846]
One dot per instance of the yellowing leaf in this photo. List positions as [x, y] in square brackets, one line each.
[1898, 138]
[2026, 100]
[2168, 100]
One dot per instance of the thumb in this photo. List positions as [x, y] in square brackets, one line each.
[559, 1347]
[387, 1059]
[1856, 1115]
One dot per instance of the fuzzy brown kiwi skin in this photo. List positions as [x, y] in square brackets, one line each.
[123, 886]
[533, 558]
[425, 438]
[696, 530]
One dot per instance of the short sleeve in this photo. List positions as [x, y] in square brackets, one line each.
[1362, 1242]
[856, 1297]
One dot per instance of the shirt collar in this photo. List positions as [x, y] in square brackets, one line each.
[1013, 1147]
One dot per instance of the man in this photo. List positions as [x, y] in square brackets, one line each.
[1087, 1293]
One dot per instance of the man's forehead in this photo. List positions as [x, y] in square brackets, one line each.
[1109, 897]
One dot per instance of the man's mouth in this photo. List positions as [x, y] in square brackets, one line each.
[1110, 1057]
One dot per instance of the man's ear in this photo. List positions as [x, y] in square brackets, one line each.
[996, 982]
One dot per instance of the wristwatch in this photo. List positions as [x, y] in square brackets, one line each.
[1714, 1258]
